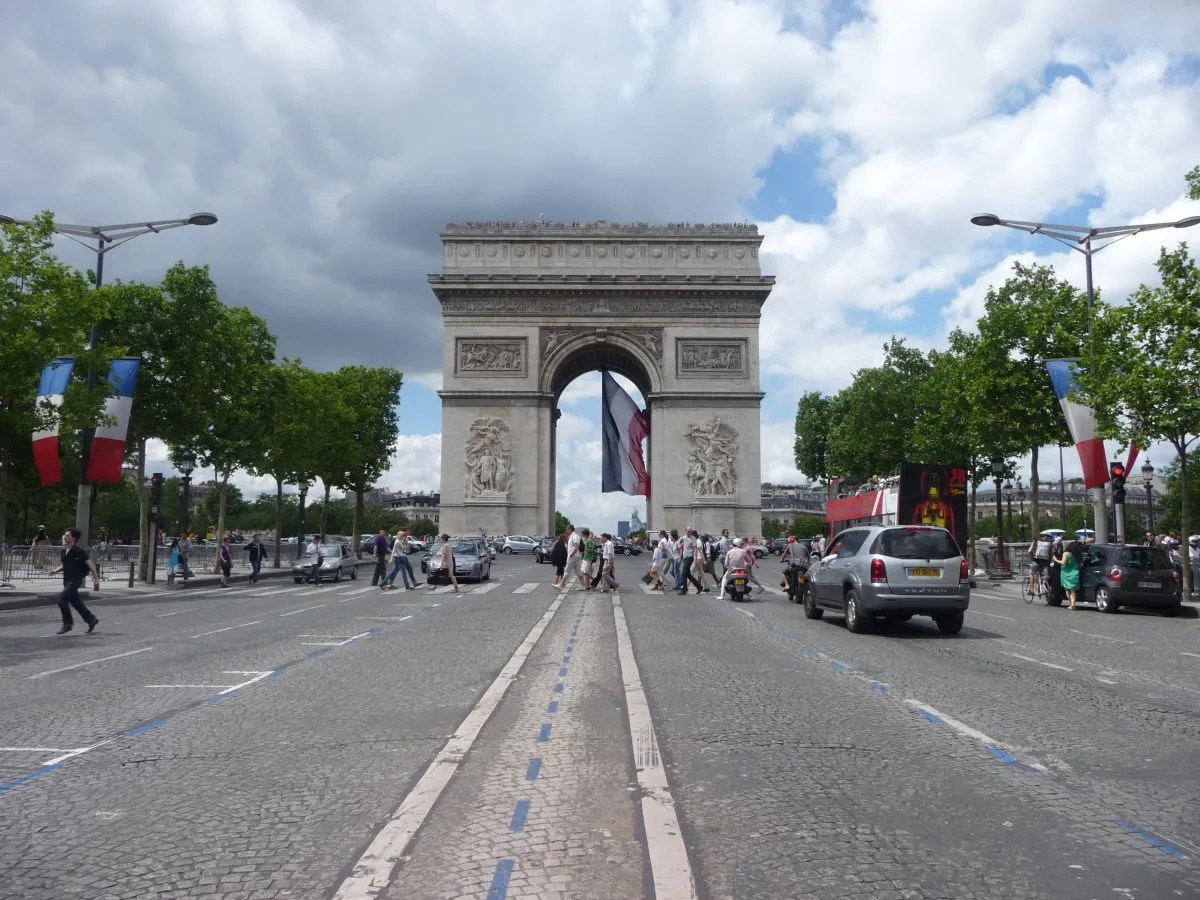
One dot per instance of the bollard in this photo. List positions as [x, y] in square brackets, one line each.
[131, 564]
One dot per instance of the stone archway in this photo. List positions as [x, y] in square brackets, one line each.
[529, 306]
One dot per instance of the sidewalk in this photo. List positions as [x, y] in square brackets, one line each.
[45, 591]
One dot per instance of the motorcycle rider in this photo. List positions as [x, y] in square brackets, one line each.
[795, 559]
[736, 558]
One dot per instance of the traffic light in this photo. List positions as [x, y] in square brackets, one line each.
[156, 489]
[1116, 477]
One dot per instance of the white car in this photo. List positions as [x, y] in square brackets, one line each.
[519, 543]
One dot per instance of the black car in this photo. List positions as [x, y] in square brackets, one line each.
[625, 548]
[542, 552]
[1116, 575]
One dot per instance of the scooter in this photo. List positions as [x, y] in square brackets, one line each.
[738, 585]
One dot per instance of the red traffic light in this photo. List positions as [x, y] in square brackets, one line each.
[1116, 470]
[156, 479]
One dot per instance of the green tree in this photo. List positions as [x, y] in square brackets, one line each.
[46, 309]
[1141, 371]
[235, 505]
[371, 395]
[812, 434]
[1168, 506]
[560, 522]
[1193, 183]
[872, 420]
[1031, 318]
[423, 526]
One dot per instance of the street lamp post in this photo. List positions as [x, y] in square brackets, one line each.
[303, 485]
[1008, 496]
[105, 238]
[1021, 500]
[187, 465]
[998, 472]
[1148, 476]
[1083, 240]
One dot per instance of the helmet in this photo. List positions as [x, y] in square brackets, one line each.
[791, 539]
[737, 542]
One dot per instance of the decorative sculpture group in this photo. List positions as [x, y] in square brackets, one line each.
[489, 459]
[712, 458]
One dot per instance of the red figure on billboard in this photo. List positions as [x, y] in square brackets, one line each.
[933, 510]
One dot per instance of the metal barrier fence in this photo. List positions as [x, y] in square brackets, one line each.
[34, 563]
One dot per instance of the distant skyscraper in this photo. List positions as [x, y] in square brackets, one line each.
[635, 522]
[622, 529]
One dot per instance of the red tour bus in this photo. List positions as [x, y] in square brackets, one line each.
[922, 494]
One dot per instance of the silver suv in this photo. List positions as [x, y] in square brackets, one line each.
[894, 572]
[519, 543]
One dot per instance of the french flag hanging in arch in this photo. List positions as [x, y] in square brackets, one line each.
[625, 427]
[1081, 422]
[51, 387]
[108, 446]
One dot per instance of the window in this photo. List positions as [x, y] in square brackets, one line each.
[1144, 558]
[851, 542]
[916, 543]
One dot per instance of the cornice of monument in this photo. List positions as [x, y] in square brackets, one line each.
[637, 230]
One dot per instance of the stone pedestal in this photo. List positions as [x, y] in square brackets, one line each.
[486, 513]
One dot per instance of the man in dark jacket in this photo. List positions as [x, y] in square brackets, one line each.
[75, 567]
[379, 550]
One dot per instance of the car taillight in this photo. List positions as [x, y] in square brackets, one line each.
[964, 572]
[1115, 576]
[878, 571]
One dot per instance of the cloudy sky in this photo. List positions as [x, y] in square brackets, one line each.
[335, 139]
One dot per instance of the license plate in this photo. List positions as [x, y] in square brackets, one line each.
[925, 573]
[739, 582]
[1153, 585]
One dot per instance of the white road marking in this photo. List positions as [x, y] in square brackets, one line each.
[355, 638]
[230, 628]
[305, 609]
[1185, 653]
[1105, 680]
[90, 662]
[744, 612]
[258, 676]
[273, 591]
[669, 864]
[1038, 661]
[361, 591]
[528, 587]
[185, 685]
[963, 728]
[176, 613]
[490, 586]
[976, 612]
[77, 752]
[32, 750]
[1103, 637]
[321, 590]
[647, 589]
[374, 869]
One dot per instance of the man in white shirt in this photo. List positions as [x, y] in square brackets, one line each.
[314, 549]
[736, 558]
[608, 556]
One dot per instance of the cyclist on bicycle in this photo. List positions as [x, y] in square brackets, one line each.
[1039, 559]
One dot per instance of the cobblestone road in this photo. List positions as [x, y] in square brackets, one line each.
[285, 741]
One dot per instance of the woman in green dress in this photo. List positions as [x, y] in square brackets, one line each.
[1069, 571]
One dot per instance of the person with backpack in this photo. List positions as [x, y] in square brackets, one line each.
[1039, 559]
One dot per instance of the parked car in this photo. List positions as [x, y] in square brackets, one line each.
[519, 543]
[542, 553]
[1116, 575]
[893, 572]
[472, 562]
[777, 546]
[625, 548]
[336, 560]
[416, 546]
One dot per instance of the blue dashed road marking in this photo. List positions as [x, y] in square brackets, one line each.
[562, 673]
[520, 814]
[1153, 839]
[558, 688]
[26, 778]
[931, 717]
[142, 729]
[544, 734]
[500, 879]
[535, 769]
[878, 686]
[553, 707]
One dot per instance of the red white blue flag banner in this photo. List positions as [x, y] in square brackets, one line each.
[1081, 422]
[51, 388]
[107, 454]
[625, 427]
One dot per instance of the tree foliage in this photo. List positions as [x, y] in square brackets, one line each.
[812, 434]
[1141, 371]
[560, 522]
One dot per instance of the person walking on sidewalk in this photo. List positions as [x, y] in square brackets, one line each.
[558, 559]
[400, 564]
[379, 549]
[225, 558]
[608, 557]
[255, 549]
[446, 557]
[588, 551]
[75, 566]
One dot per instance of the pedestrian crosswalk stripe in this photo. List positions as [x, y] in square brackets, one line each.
[485, 588]
[528, 588]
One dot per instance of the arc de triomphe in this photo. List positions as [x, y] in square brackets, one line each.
[529, 306]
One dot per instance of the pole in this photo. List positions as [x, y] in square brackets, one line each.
[1119, 521]
[1099, 514]
[187, 503]
[83, 501]
[1150, 505]
[1000, 521]
[1062, 488]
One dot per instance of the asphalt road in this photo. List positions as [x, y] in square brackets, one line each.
[283, 741]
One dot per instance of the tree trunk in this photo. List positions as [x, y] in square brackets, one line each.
[971, 517]
[356, 528]
[1033, 495]
[146, 540]
[4, 466]
[324, 508]
[222, 495]
[1185, 522]
[278, 518]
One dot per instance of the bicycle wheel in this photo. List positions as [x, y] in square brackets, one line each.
[1026, 592]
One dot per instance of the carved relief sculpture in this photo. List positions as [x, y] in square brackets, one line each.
[648, 338]
[491, 356]
[489, 459]
[712, 458]
[709, 356]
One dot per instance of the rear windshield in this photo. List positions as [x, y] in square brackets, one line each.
[915, 543]
[1143, 558]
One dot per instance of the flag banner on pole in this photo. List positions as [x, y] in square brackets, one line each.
[625, 427]
[1081, 422]
[108, 446]
[1134, 450]
[51, 388]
